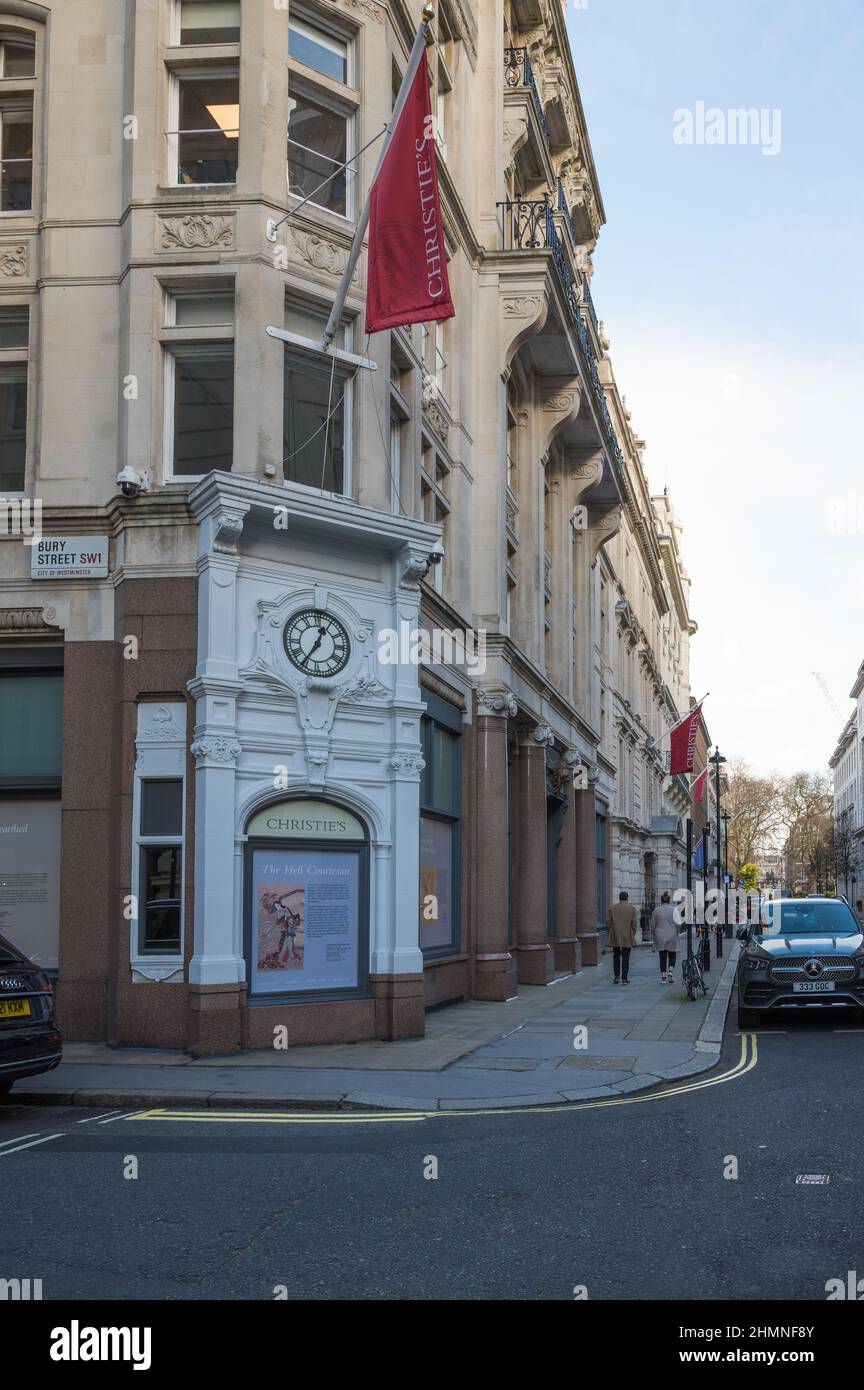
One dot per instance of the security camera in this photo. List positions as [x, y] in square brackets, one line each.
[436, 554]
[130, 481]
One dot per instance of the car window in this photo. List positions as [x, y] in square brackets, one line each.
[807, 917]
[8, 953]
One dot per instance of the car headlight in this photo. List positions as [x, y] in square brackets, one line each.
[755, 963]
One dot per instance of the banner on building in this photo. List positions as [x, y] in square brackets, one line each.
[699, 787]
[683, 743]
[407, 273]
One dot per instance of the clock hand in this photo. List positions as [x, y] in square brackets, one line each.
[315, 645]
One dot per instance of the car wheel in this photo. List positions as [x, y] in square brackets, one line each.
[748, 1018]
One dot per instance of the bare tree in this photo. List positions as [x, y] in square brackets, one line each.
[755, 808]
[806, 805]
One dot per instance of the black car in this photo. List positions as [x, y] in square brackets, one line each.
[30, 1040]
[802, 953]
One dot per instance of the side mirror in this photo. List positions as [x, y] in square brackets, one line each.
[743, 933]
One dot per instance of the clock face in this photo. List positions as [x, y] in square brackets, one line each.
[316, 643]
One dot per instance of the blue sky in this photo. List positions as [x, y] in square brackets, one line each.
[732, 288]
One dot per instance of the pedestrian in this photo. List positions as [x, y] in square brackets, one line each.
[665, 931]
[621, 925]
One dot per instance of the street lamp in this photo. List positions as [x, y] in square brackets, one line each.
[717, 760]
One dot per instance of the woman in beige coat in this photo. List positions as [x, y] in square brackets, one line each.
[665, 931]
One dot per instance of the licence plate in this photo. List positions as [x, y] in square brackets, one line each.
[14, 1008]
[814, 987]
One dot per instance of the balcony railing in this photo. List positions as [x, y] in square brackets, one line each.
[518, 72]
[529, 225]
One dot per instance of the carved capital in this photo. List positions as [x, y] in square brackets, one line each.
[27, 619]
[406, 766]
[210, 750]
[496, 702]
[227, 530]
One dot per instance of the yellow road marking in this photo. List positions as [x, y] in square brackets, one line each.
[747, 1061]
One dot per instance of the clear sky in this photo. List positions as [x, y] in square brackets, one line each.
[730, 282]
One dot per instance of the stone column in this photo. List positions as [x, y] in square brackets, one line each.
[494, 966]
[585, 833]
[534, 956]
[568, 949]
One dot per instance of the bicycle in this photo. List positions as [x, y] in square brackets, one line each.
[691, 974]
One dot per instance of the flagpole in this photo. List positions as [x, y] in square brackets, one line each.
[363, 220]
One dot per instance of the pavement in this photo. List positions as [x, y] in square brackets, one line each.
[475, 1056]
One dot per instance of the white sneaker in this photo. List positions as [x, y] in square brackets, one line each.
[662, 978]
[670, 978]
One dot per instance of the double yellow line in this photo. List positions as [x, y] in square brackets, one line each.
[747, 1061]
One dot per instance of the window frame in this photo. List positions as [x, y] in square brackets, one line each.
[177, 30]
[143, 843]
[157, 761]
[177, 74]
[447, 717]
[347, 110]
[301, 355]
[20, 357]
[33, 662]
[178, 341]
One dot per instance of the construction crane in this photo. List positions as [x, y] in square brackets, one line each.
[820, 681]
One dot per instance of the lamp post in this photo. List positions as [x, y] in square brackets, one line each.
[726, 819]
[717, 760]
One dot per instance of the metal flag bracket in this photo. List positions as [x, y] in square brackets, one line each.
[351, 359]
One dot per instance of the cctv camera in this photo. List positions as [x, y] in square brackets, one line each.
[436, 554]
[131, 481]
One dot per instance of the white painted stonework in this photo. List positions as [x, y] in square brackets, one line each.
[265, 732]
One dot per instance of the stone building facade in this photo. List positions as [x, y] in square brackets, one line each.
[230, 810]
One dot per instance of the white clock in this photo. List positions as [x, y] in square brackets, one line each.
[316, 643]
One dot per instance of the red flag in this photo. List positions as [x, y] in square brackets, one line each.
[699, 787]
[683, 740]
[407, 257]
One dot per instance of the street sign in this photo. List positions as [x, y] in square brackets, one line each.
[69, 557]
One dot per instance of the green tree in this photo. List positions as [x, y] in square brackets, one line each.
[749, 875]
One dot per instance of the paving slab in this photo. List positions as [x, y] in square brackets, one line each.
[474, 1056]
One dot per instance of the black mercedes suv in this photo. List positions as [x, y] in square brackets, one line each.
[802, 953]
[30, 1041]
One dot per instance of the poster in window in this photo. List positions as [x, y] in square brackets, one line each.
[305, 920]
[30, 878]
[436, 882]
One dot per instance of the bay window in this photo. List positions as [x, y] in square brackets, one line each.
[205, 138]
[320, 114]
[317, 407]
[199, 383]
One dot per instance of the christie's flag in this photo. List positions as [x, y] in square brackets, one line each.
[407, 279]
[699, 787]
[683, 741]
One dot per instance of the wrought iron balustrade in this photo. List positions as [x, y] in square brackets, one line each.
[529, 225]
[518, 72]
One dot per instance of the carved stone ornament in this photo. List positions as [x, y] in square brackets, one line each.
[27, 619]
[156, 973]
[414, 567]
[522, 306]
[216, 750]
[227, 529]
[162, 728]
[370, 8]
[13, 259]
[406, 764]
[560, 402]
[436, 419]
[196, 232]
[318, 252]
[515, 135]
[543, 735]
[501, 702]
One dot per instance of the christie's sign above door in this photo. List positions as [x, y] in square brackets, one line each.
[69, 557]
[306, 820]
